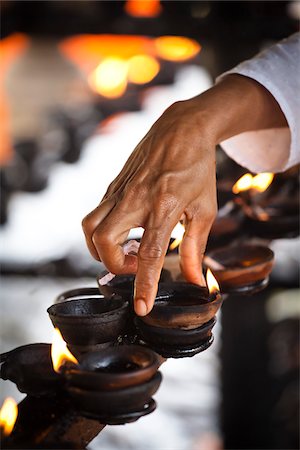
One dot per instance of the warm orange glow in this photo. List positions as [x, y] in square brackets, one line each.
[59, 351]
[142, 69]
[143, 8]
[243, 184]
[211, 282]
[110, 78]
[259, 183]
[10, 48]
[178, 232]
[262, 181]
[87, 51]
[8, 415]
[176, 48]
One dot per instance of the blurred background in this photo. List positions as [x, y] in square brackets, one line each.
[81, 83]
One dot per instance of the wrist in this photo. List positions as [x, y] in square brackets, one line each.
[235, 105]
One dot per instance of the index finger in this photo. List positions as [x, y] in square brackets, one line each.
[152, 251]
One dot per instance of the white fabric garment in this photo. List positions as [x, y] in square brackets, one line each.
[278, 70]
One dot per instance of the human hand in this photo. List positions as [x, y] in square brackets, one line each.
[170, 176]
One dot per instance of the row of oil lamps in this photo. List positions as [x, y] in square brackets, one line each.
[110, 360]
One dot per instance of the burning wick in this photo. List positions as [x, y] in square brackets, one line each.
[131, 247]
[213, 285]
[60, 353]
[8, 415]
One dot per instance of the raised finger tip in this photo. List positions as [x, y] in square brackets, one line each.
[140, 307]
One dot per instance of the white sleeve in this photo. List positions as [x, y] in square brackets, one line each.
[278, 70]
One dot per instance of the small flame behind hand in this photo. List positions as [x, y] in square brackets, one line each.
[178, 232]
[259, 182]
[212, 284]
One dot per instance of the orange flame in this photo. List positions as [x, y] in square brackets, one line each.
[243, 184]
[142, 69]
[179, 232]
[259, 182]
[143, 8]
[262, 181]
[110, 77]
[176, 48]
[59, 351]
[8, 415]
[211, 282]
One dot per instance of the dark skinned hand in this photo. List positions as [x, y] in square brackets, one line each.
[170, 176]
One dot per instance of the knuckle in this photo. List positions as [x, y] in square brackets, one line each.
[86, 223]
[150, 252]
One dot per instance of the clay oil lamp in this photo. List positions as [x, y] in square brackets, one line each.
[268, 216]
[274, 220]
[242, 269]
[87, 320]
[181, 321]
[30, 368]
[115, 385]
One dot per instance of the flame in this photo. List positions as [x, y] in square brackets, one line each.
[262, 181]
[142, 69]
[211, 282]
[243, 184]
[143, 8]
[178, 232]
[59, 351]
[110, 77]
[176, 48]
[259, 183]
[8, 415]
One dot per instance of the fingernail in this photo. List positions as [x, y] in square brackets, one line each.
[140, 308]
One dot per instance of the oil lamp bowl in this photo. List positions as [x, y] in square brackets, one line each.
[182, 305]
[275, 220]
[176, 342]
[114, 368]
[30, 368]
[246, 268]
[87, 320]
[115, 385]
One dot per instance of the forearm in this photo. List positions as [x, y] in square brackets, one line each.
[235, 105]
